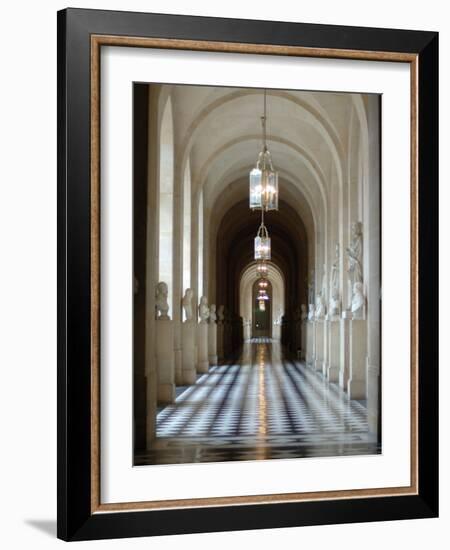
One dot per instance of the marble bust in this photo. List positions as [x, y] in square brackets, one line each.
[358, 301]
[187, 304]
[311, 312]
[203, 309]
[162, 306]
[212, 313]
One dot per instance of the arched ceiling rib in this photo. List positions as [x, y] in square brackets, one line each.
[225, 114]
[308, 131]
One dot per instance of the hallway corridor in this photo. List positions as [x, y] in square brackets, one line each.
[262, 406]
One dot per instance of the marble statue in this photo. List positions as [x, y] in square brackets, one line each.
[203, 309]
[335, 306]
[311, 288]
[354, 254]
[304, 314]
[321, 309]
[212, 313]
[311, 312]
[221, 314]
[162, 306]
[186, 302]
[358, 301]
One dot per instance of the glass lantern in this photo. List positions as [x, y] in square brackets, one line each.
[262, 270]
[262, 295]
[263, 193]
[262, 244]
[262, 305]
[263, 284]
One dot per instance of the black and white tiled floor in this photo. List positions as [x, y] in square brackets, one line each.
[261, 407]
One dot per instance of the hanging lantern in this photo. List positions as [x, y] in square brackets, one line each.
[264, 184]
[262, 295]
[262, 244]
[263, 283]
[262, 270]
[262, 305]
[263, 178]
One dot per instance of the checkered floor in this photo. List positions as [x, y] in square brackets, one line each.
[262, 406]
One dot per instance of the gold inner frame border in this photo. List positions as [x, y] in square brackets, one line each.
[97, 41]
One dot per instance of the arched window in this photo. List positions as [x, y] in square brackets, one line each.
[166, 161]
[187, 228]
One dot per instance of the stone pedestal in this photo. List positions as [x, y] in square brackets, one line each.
[247, 331]
[344, 352]
[220, 352]
[325, 362]
[319, 345]
[177, 352]
[298, 337]
[303, 340]
[165, 359]
[188, 335]
[333, 341]
[276, 331]
[227, 345]
[373, 401]
[212, 343]
[152, 391]
[310, 345]
[202, 347]
[356, 385]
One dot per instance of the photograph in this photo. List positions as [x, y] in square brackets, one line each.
[257, 303]
[247, 315]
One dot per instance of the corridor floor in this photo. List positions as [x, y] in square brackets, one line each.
[260, 407]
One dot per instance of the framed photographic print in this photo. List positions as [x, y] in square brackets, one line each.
[247, 274]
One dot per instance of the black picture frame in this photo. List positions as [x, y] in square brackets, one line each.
[76, 521]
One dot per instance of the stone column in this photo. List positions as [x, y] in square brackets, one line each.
[344, 351]
[373, 397]
[177, 352]
[333, 361]
[220, 351]
[227, 335]
[319, 347]
[220, 333]
[202, 347]
[152, 399]
[304, 339]
[357, 360]
[188, 335]
[310, 342]
[326, 337]
[165, 360]
[247, 330]
[151, 254]
[298, 338]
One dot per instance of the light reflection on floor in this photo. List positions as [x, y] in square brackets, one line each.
[262, 406]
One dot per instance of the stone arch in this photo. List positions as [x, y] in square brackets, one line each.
[247, 279]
